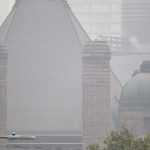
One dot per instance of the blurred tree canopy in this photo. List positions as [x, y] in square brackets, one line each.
[123, 140]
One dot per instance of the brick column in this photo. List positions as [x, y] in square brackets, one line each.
[3, 89]
[96, 92]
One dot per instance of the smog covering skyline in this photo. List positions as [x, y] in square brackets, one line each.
[62, 83]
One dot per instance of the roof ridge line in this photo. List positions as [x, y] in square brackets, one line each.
[12, 20]
[71, 21]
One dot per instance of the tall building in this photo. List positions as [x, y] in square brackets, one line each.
[59, 82]
[45, 77]
[136, 22]
[39, 67]
[98, 17]
[116, 18]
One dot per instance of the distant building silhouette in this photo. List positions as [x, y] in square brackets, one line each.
[61, 86]
[134, 101]
[99, 17]
[46, 74]
[136, 22]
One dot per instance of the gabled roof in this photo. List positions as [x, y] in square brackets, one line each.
[44, 42]
[6, 26]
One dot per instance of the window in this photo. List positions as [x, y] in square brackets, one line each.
[116, 18]
[115, 8]
[115, 28]
[102, 8]
[98, 18]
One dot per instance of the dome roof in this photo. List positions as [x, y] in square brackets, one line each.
[138, 88]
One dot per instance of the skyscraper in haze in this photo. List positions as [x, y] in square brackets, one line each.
[136, 22]
[52, 80]
[98, 17]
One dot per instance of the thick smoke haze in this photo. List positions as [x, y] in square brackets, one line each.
[73, 72]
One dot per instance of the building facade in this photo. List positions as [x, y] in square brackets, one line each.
[3, 93]
[136, 22]
[135, 101]
[46, 73]
[98, 17]
[96, 92]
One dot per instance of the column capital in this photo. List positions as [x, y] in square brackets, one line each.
[96, 50]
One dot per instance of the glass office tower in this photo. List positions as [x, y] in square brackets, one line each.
[98, 17]
[136, 22]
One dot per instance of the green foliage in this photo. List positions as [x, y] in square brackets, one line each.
[123, 140]
[93, 147]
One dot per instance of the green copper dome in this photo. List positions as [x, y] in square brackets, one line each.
[138, 88]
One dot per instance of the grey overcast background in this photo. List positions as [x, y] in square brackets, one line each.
[5, 7]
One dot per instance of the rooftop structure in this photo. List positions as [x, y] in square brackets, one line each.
[137, 89]
[135, 101]
[44, 42]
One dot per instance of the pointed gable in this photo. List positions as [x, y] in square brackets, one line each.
[44, 42]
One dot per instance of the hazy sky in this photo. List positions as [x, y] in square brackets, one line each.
[5, 7]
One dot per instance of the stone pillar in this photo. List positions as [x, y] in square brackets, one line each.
[3, 89]
[96, 92]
